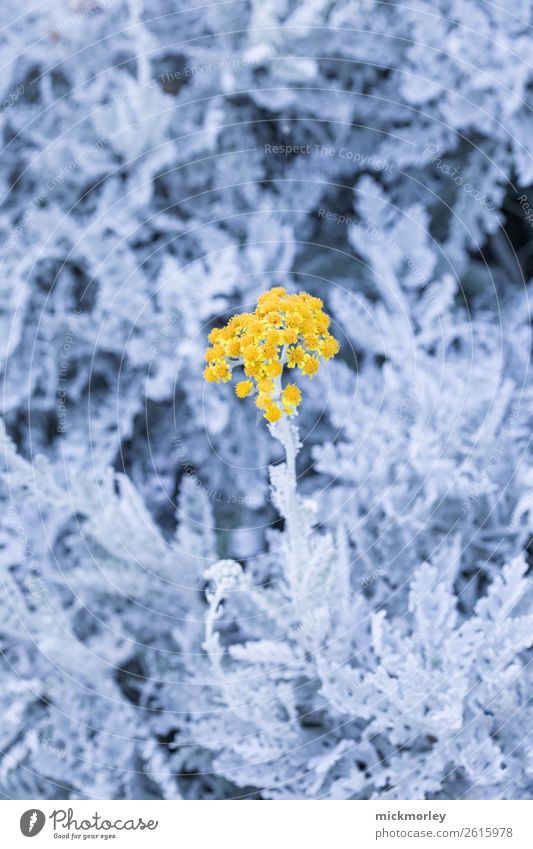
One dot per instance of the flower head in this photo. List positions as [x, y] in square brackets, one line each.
[291, 397]
[284, 330]
[244, 388]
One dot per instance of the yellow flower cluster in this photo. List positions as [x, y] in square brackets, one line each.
[289, 330]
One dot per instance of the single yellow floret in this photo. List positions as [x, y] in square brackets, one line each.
[215, 353]
[329, 347]
[273, 413]
[217, 373]
[266, 384]
[233, 348]
[263, 400]
[310, 365]
[243, 388]
[274, 368]
[270, 352]
[296, 356]
[291, 395]
[252, 368]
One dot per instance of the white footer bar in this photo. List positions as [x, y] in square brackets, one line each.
[269, 825]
